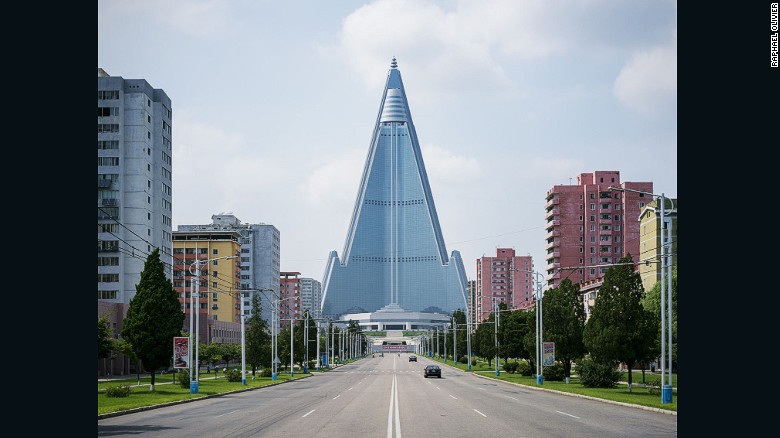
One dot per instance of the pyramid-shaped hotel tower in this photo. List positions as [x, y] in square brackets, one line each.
[394, 257]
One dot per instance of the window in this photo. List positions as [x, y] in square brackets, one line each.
[214, 285]
[108, 127]
[592, 239]
[617, 206]
[593, 218]
[617, 227]
[214, 273]
[592, 272]
[108, 94]
[106, 111]
[593, 228]
[592, 196]
[617, 250]
[605, 227]
[617, 239]
[592, 206]
[148, 118]
[580, 249]
[581, 206]
[580, 218]
[215, 252]
[107, 294]
[580, 238]
[108, 161]
[108, 261]
[605, 206]
[593, 250]
[641, 204]
[108, 144]
[215, 262]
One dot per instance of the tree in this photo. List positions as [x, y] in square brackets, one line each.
[484, 340]
[652, 302]
[620, 328]
[106, 342]
[258, 338]
[564, 322]
[517, 328]
[154, 317]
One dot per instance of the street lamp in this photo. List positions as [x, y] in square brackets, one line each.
[195, 314]
[538, 310]
[243, 331]
[666, 301]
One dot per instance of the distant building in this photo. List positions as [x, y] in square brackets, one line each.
[590, 225]
[651, 240]
[472, 302]
[394, 258]
[505, 278]
[290, 298]
[311, 295]
[259, 258]
[216, 289]
[134, 170]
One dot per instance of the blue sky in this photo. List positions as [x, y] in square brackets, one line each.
[274, 105]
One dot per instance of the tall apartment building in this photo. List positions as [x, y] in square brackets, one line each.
[652, 239]
[311, 296]
[216, 289]
[472, 302]
[290, 305]
[259, 260]
[505, 278]
[590, 225]
[134, 171]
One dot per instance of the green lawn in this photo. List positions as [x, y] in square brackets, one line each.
[639, 394]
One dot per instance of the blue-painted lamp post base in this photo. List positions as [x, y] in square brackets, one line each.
[539, 379]
[193, 387]
[666, 393]
[273, 376]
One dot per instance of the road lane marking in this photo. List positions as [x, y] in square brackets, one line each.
[227, 413]
[564, 413]
[453, 396]
[480, 413]
[334, 398]
[350, 389]
[309, 413]
[513, 398]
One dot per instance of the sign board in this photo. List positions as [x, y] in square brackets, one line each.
[181, 352]
[548, 356]
[277, 361]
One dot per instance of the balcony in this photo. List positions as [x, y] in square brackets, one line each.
[553, 233]
[104, 183]
[553, 201]
[108, 202]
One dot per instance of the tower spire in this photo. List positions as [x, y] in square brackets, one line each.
[393, 64]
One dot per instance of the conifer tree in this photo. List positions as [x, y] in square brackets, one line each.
[154, 317]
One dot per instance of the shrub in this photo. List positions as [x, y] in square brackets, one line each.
[183, 377]
[510, 367]
[524, 368]
[473, 362]
[598, 374]
[463, 360]
[553, 372]
[233, 375]
[654, 387]
[266, 372]
[118, 391]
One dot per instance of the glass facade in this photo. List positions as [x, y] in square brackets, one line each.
[394, 254]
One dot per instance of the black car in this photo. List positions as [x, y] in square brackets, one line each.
[412, 358]
[432, 370]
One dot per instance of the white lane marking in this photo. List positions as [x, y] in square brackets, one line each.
[480, 413]
[350, 389]
[453, 397]
[309, 413]
[513, 398]
[397, 416]
[334, 398]
[226, 414]
[390, 411]
[564, 413]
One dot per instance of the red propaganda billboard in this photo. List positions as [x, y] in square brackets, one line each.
[181, 352]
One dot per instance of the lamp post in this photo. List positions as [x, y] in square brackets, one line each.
[195, 313]
[666, 299]
[495, 332]
[539, 334]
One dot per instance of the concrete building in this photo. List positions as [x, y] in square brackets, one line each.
[505, 278]
[651, 240]
[590, 225]
[134, 170]
[217, 289]
[311, 295]
[290, 305]
[394, 257]
[259, 260]
[472, 302]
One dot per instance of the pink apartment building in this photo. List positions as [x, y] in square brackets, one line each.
[589, 225]
[290, 298]
[503, 278]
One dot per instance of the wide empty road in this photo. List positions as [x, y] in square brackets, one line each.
[388, 397]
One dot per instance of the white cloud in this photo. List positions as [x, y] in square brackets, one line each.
[647, 82]
[335, 181]
[443, 166]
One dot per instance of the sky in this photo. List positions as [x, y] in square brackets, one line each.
[274, 104]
